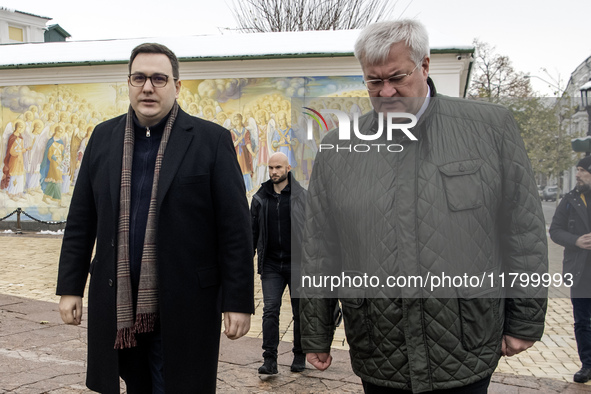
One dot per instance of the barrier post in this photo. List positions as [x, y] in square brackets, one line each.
[18, 221]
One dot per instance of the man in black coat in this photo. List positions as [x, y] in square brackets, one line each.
[162, 195]
[571, 228]
[278, 212]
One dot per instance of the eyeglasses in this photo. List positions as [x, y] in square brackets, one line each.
[139, 80]
[395, 81]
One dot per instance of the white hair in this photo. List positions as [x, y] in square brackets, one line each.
[374, 42]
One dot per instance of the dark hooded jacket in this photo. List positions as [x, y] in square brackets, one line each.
[259, 215]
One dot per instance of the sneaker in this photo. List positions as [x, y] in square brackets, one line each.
[299, 362]
[583, 375]
[269, 367]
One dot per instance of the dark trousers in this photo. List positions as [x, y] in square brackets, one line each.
[480, 387]
[582, 315]
[274, 278]
[142, 367]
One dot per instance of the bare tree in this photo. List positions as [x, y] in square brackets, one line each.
[495, 77]
[299, 15]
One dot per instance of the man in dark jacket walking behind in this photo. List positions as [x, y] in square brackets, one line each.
[278, 208]
[571, 228]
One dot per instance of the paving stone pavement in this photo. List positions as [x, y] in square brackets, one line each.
[39, 354]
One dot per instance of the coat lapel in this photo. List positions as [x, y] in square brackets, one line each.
[178, 143]
[115, 162]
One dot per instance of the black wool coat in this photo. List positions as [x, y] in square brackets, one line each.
[204, 243]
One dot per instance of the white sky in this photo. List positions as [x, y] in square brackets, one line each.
[535, 34]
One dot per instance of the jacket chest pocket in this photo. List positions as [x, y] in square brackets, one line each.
[462, 184]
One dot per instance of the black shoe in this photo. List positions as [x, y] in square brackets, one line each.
[583, 375]
[269, 367]
[299, 362]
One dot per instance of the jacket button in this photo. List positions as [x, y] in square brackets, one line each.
[462, 168]
[112, 241]
[111, 282]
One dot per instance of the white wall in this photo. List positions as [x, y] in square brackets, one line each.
[33, 26]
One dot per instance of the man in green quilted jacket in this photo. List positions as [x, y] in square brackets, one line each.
[421, 243]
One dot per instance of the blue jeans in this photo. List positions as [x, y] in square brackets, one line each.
[274, 278]
[142, 367]
[582, 314]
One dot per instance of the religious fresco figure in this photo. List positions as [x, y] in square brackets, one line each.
[13, 171]
[262, 159]
[284, 140]
[51, 167]
[243, 146]
[40, 136]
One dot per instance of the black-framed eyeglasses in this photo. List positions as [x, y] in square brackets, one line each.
[395, 81]
[138, 80]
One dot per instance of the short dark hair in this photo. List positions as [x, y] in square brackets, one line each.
[150, 47]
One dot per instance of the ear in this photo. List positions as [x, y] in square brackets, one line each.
[177, 86]
[425, 66]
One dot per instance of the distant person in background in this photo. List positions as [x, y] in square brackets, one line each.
[571, 228]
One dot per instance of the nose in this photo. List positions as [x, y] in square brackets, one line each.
[148, 85]
[388, 90]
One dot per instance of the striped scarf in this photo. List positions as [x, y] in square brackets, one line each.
[147, 300]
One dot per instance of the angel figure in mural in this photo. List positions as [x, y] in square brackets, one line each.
[77, 136]
[67, 137]
[223, 120]
[209, 113]
[13, 171]
[80, 153]
[35, 111]
[306, 151]
[29, 118]
[51, 173]
[243, 146]
[262, 119]
[40, 135]
[283, 139]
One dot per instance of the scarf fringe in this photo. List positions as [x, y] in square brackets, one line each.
[145, 322]
[125, 338]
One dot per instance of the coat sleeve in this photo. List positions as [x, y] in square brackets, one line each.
[320, 255]
[255, 211]
[235, 254]
[559, 227]
[80, 233]
[523, 237]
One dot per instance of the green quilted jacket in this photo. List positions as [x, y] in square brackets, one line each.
[461, 199]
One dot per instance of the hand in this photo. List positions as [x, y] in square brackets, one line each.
[512, 346]
[71, 309]
[236, 324]
[319, 360]
[584, 241]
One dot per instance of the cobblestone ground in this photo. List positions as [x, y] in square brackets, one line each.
[28, 268]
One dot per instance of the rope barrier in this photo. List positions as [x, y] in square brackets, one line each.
[9, 215]
[18, 211]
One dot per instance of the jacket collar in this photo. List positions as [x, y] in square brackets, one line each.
[179, 142]
[293, 186]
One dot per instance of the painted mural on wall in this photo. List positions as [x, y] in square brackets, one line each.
[44, 130]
